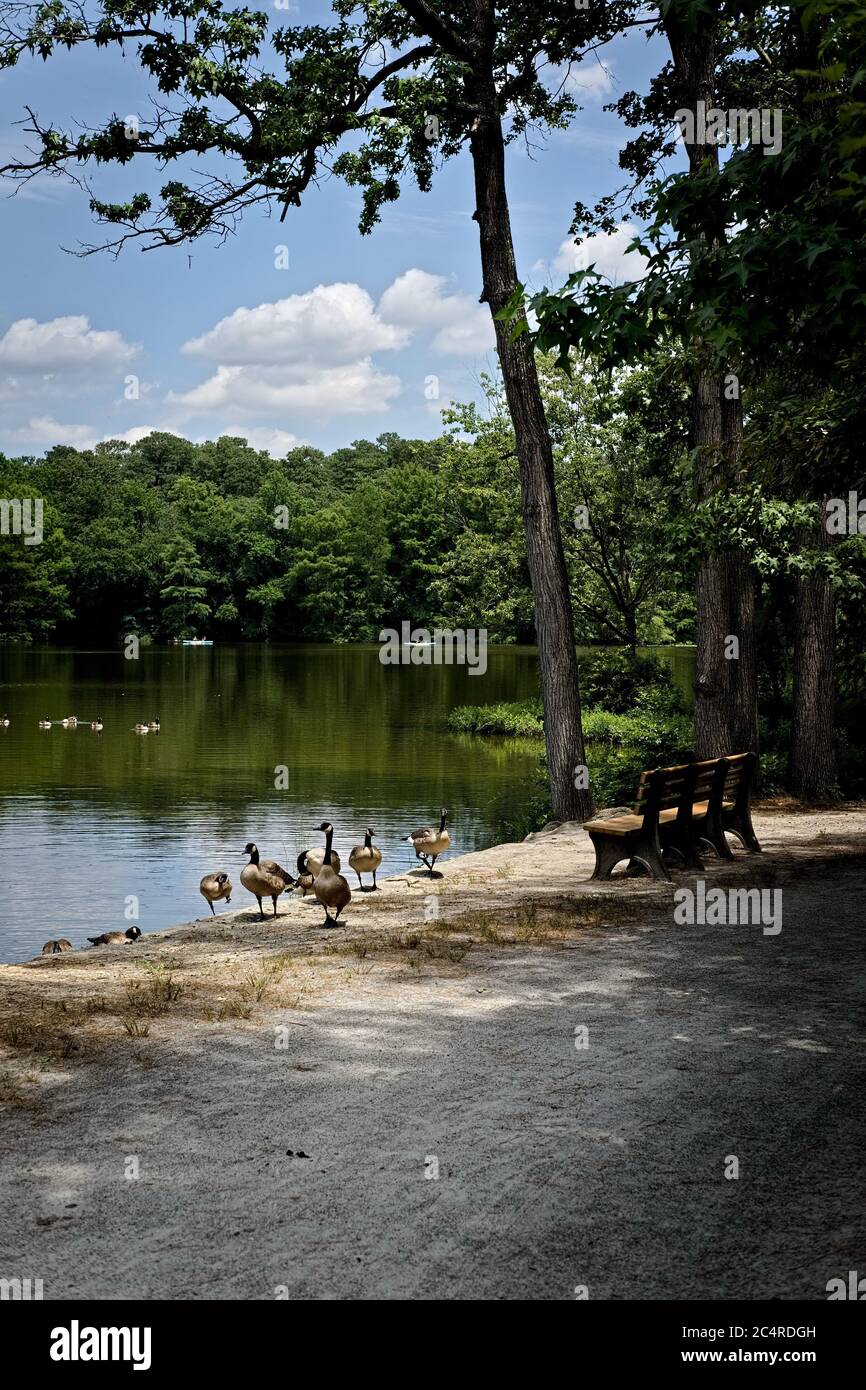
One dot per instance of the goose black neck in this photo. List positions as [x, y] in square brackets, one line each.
[328, 838]
[254, 856]
[368, 841]
[442, 819]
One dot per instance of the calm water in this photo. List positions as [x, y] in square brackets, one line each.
[87, 819]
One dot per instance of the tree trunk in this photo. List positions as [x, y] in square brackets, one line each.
[554, 621]
[813, 763]
[711, 589]
[743, 723]
[726, 686]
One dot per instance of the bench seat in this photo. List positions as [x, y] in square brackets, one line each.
[621, 825]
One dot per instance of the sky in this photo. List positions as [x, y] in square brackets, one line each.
[300, 332]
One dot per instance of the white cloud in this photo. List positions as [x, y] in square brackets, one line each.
[42, 432]
[315, 353]
[139, 432]
[329, 324]
[418, 300]
[65, 345]
[590, 79]
[353, 388]
[609, 255]
[275, 442]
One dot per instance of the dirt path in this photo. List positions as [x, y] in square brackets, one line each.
[415, 1044]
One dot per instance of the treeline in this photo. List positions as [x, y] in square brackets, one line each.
[167, 538]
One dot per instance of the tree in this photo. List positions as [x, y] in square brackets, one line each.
[184, 590]
[402, 82]
[34, 578]
[618, 486]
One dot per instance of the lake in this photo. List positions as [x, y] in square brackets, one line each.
[89, 819]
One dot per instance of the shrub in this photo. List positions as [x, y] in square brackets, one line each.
[616, 681]
[523, 717]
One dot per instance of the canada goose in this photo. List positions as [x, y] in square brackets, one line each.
[97, 725]
[312, 861]
[45, 723]
[330, 888]
[306, 879]
[264, 878]
[365, 859]
[141, 729]
[429, 843]
[70, 722]
[215, 887]
[53, 948]
[116, 938]
[4, 722]
[154, 726]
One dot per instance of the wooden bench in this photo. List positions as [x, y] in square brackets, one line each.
[676, 811]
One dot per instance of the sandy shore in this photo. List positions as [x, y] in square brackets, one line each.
[155, 1099]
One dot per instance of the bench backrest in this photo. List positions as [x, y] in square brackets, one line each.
[676, 782]
[714, 779]
[741, 767]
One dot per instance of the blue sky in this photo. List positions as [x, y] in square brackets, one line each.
[340, 345]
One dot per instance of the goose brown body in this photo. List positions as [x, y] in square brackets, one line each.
[366, 859]
[264, 878]
[215, 887]
[331, 889]
[116, 938]
[54, 948]
[429, 843]
[312, 860]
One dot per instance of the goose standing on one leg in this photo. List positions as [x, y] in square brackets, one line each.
[429, 842]
[215, 887]
[330, 888]
[264, 878]
[365, 859]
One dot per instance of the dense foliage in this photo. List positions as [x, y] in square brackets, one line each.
[168, 538]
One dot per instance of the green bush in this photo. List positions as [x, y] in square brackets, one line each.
[618, 682]
[523, 717]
